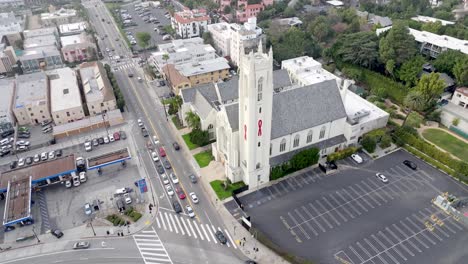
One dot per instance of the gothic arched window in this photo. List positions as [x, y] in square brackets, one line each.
[322, 132]
[310, 135]
[283, 145]
[296, 141]
[259, 89]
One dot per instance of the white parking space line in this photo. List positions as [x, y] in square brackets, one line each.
[384, 237]
[376, 251]
[168, 222]
[406, 238]
[321, 215]
[399, 185]
[204, 232]
[351, 197]
[337, 211]
[327, 212]
[451, 221]
[426, 175]
[294, 179]
[283, 186]
[386, 249]
[310, 176]
[376, 192]
[178, 224]
[303, 179]
[271, 192]
[415, 237]
[290, 184]
[173, 224]
[157, 222]
[356, 253]
[350, 204]
[277, 189]
[311, 217]
[369, 255]
[436, 227]
[307, 222]
[366, 193]
[399, 241]
[424, 235]
[384, 190]
[230, 239]
[297, 225]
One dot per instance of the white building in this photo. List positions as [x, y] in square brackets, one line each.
[11, 3]
[264, 117]
[7, 59]
[72, 29]
[65, 98]
[457, 108]
[426, 19]
[233, 39]
[31, 102]
[190, 23]
[182, 51]
[59, 17]
[7, 90]
[10, 27]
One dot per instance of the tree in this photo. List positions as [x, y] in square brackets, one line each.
[143, 39]
[434, 27]
[304, 158]
[369, 143]
[193, 120]
[446, 60]
[199, 137]
[414, 101]
[430, 86]
[227, 9]
[460, 71]
[397, 45]
[289, 12]
[359, 49]
[409, 71]
[294, 43]
[208, 38]
[320, 28]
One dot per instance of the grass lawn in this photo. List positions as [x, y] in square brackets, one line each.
[189, 143]
[176, 121]
[447, 142]
[203, 158]
[222, 194]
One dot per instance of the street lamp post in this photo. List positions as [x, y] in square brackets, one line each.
[34, 232]
[92, 227]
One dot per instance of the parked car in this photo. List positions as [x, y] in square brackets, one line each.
[144, 132]
[87, 209]
[164, 178]
[160, 169]
[21, 162]
[95, 142]
[194, 197]
[29, 160]
[174, 178]
[24, 135]
[162, 83]
[88, 147]
[68, 184]
[155, 140]
[410, 164]
[357, 158]
[22, 143]
[52, 154]
[57, 233]
[189, 211]
[44, 156]
[176, 146]
[58, 153]
[154, 156]
[128, 199]
[21, 148]
[169, 190]
[116, 136]
[177, 207]
[106, 140]
[162, 152]
[83, 177]
[167, 165]
[111, 138]
[81, 245]
[123, 135]
[140, 123]
[381, 177]
[101, 140]
[180, 193]
[13, 164]
[221, 238]
[37, 158]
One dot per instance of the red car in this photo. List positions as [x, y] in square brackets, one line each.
[162, 152]
[180, 193]
[116, 136]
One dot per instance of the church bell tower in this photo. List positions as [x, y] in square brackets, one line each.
[255, 108]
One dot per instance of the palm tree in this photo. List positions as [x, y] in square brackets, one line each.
[193, 121]
[165, 57]
[414, 100]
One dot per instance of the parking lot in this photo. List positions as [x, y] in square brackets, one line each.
[352, 217]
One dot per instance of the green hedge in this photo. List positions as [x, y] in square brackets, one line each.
[115, 220]
[133, 214]
[342, 154]
[299, 161]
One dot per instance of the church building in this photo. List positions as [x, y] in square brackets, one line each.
[261, 118]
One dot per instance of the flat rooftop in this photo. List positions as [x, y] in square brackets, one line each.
[202, 67]
[39, 171]
[18, 201]
[356, 106]
[108, 158]
[307, 70]
[7, 87]
[31, 89]
[64, 90]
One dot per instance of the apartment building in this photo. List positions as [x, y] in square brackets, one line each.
[7, 90]
[190, 23]
[10, 27]
[41, 50]
[31, 103]
[456, 109]
[72, 29]
[99, 95]
[59, 17]
[181, 51]
[65, 98]
[8, 59]
[78, 47]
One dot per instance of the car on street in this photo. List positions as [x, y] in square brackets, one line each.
[180, 193]
[167, 165]
[381, 177]
[24, 135]
[81, 245]
[123, 135]
[189, 211]
[193, 178]
[410, 164]
[160, 169]
[154, 156]
[116, 136]
[88, 147]
[68, 184]
[155, 140]
[37, 158]
[13, 164]
[357, 158]
[176, 146]
[164, 178]
[95, 142]
[194, 197]
[144, 132]
[111, 138]
[22, 148]
[52, 154]
[128, 199]
[174, 178]
[21, 162]
[57, 233]
[101, 140]
[121, 191]
[169, 190]
[44, 156]
[162, 152]
[130, 75]
[177, 207]
[106, 140]
[221, 238]
[87, 209]
[140, 123]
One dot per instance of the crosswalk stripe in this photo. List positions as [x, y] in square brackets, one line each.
[154, 236]
[168, 223]
[212, 235]
[148, 231]
[146, 249]
[157, 222]
[204, 231]
[151, 250]
[155, 254]
[178, 223]
[230, 239]
[149, 244]
[173, 223]
[185, 225]
[198, 229]
[191, 228]
[162, 220]
[158, 259]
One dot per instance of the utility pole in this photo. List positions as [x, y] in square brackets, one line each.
[92, 227]
[34, 232]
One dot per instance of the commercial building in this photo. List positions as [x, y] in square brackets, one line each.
[11, 3]
[8, 59]
[59, 17]
[264, 117]
[191, 74]
[457, 109]
[78, 47]
[7, 90]
[97, 88]
[31, 103]
[190, 23]
[181, 51]
[72, 29]
[65, 98]
[41, 50]
[10, 27]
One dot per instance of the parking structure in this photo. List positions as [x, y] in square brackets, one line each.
[352, 217]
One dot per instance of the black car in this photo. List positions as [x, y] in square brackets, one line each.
[58, 153]
[101, 140]
[332, 165]
[29, 160]
[13, 164]
[144, 132]
[24, 135]
[160, 169]
[176, 146]
[123, 135]
[221, 238]
[57, 233]
[410, 164]
[162, 83]
[193, 178]
[167, 165]
[177, 207]
[95, 142]
[250, 262]
[4, 152]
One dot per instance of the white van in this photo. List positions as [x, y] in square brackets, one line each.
[76, 180]
[83, 177]
[121, 191]
[4, 141]
[166, 37]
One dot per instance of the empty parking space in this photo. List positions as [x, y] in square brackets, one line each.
[351, 216]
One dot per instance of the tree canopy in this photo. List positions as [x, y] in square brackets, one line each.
[294, 43]
[409, 71]
[446, 60]
[397, 45]
[460, 70]
[359, 48]
[143, 39]
[430, 87]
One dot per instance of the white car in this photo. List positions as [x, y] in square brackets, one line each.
[52, 154]
[22, 143]
[87, 209]
[37, 158]
[21, 162]
[140, 123]
[83, 176]
[194, 197]
[76, 181]
[44, 156]
[121, 191]
[189, 210]
[357, 158]
[155, 140]
[169, 190]
[174, 178]
[128, 199]
[111, 138]
[68, 184]
[164, 179]
[106, 140]
[87, 146]
[154, 156]
[381, 177]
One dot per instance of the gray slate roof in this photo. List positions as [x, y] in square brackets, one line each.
[202, 105]
[229, 90]
[281, 79]
[305, 107]
[232, 112]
